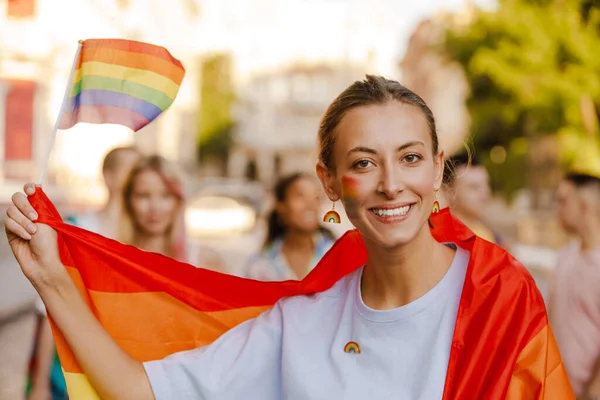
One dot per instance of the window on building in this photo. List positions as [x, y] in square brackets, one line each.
[18, 131]
[20, 8]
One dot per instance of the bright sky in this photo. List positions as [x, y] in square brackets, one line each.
[265, 34]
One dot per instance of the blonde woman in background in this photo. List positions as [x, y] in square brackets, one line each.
[153, 207]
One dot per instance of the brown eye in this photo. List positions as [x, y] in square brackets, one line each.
[412, 158]
[361, 164]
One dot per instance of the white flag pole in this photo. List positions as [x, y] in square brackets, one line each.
[60, 113]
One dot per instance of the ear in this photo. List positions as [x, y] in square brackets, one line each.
[108, 179]
[438, 168]
[327, 178]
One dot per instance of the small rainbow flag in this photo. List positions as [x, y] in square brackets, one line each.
[119, 81]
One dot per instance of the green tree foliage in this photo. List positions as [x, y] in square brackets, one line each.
[215, 122]
[530, 65]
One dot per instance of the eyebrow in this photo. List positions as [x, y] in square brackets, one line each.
[361, 149]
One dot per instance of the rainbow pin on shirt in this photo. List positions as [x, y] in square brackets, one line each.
[352, 347]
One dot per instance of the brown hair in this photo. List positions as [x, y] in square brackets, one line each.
[373, 90]
[171, 178]
[111, 160]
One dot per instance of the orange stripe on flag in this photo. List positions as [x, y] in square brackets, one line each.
[539, 373]
[131, 60]
[132, 46]
[169, 325]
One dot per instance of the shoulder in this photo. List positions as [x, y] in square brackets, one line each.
[257, 266]
[322, 300]
[205, 257]
[497, 273]
[261, 265]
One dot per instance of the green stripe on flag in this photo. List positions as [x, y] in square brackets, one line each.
[92, 82]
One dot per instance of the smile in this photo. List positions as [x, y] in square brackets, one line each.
[391, 212]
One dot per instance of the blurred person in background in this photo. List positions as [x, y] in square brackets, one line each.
[295, 240]
[153, 215]
[46, 377]
[115, 168]
[574, 295]
[467, 192]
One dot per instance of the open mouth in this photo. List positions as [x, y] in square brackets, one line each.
[391, 212]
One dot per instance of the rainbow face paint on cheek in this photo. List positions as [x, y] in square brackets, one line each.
[350, 195]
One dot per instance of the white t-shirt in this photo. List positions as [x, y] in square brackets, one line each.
[297, 349]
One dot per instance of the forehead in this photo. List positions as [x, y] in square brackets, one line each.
[383, 126]
[302, 185]
[148, 177]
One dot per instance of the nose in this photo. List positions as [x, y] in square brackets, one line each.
[390, 182]
[154, 204]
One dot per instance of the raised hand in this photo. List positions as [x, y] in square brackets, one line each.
[34, 245]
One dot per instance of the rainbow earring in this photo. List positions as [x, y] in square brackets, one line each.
[436, 205]
[332, 216]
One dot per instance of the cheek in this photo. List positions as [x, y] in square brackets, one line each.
[353, 191]
[169, 206]
[139, 206]
[420, 181]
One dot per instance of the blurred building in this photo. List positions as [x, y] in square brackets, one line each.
[440, 82]
[38, 39]
[278, 117]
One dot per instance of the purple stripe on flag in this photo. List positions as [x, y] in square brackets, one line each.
[103, 115]
[114, 99]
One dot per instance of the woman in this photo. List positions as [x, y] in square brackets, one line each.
[295, 239]
[153, 220]
[396, 315]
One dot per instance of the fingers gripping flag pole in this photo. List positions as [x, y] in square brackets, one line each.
[60, 113]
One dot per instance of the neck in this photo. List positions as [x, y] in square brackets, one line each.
[298, 240]
[397, 276]
[154, 243]
[110, 214]
[590, 236]
[112, 209]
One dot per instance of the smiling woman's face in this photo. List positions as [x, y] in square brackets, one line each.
[385, 171]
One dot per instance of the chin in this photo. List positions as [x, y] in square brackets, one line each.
[153, 231]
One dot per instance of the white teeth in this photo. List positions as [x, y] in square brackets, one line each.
[391, 212]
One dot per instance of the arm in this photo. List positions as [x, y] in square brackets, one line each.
[243, 363]
[593, 390]
[112, 372]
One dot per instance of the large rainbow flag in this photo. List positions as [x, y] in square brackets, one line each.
[503, 347]
[123, 82]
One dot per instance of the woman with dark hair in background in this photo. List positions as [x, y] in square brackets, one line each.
[295, 239]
